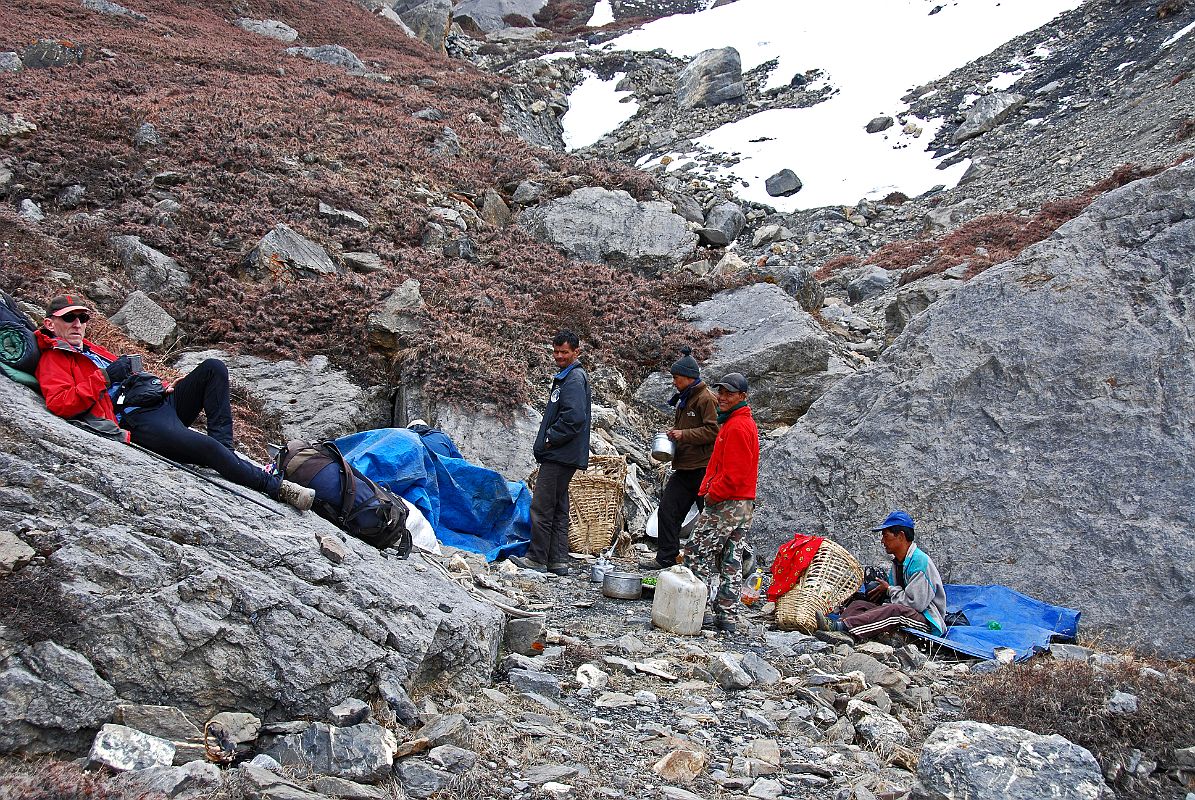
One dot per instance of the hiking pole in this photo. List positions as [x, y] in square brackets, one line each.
[207, 478]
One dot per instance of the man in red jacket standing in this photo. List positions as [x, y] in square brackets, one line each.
[729, 492]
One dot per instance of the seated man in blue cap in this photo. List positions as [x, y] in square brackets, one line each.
[912, 597]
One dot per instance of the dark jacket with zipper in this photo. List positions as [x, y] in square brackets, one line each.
[698, 424]
[563, 436]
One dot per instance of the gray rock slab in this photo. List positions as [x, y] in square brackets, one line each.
[152, 271]
[163, 567]
[363, 262]
[712, 77]
[10, 62]
[342, 216]
[912, 299]
[787, 357]
[269, 27]
[758, 668]
[283, 252]
[988, 112]
[346, 790]
[113, 9]
[878, 124]
[331, 54]
[1012, 436]
[350, 712]
[871, 281]
[49, 53]
[491, 438]
[362, 753]
[783, 183]
[14, 553]
[166, 722]
[313, 400]
[487, 15]
[192, 781]
[451, 729]
[542, 683]
[396, 316]
[595, 224]
[987, 762]
[122, 748]
[723, 225]
[420, 779]
[145, 321]
[455, 759]
[430, 21]
[728, 671]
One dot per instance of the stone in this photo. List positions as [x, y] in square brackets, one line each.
[448, 729]
[877, 697]
[542, 683]
[192, 781]
[590, 676]
[766, 789]
[284, 253]
[363, 262]
[489, 15]
[333, 549]
[494, 209]
[421, 780]
[680, 766]
[611, 227]
[447, 143]
[876, 672]
[676, 793]
[313, 400]
[687, 207]
[760, 670]
[538, 775]
[912, 299]
[430, 21]
[979, 409]
[616, 700]
[800, 284]
[331, 54]
[51, 698]
[787, 357]
[231, 733]
[350, 712]
[346, 790]
[396, 316]
[430, 115]
[10, 62]
[524, 635]
[783, 183]
[126, 515]
[878, 729]
[14, 553]
[723, 225]
[31, 211]
[153, 272]
[632, 645]
[47, 53]
[268, 27]
[113, 9]
[765, 750]
[340, 216]
[456, 760]
[729, 673]
[871, 282]
[14, 126]
[145, 321]
[527, 193]
[166, 722]
[1070, 652]
[987, 762]
[71, 196]
[362, 753]
[1122, 703]
[878, 124]
[988, 112]
[711, 78]
[122, 749]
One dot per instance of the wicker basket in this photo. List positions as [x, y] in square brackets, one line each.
[830, 578]
[594, 503]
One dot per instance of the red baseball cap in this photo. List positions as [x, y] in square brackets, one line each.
[65, 303]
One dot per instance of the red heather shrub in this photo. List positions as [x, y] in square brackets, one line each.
[833, 265]
[260, 138]
[61, 780]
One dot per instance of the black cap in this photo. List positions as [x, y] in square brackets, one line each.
[686, 366]
[64, 303]
[734, 381]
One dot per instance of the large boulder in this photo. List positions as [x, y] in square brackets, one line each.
[489, 15]
[787, 358]
[145, 321]
[283, 252]
[152, 271]
[430, 21]
[712, 77]
[492, 439]
[1035, 422]
[313, 399]
[988, 112]
[607, 226]
[990, 762]
[174, 590]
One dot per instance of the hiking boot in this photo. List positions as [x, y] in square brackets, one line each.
[560, 568]
[296, 496]
[726, 624]
[527, 562]
[824, 623]
[651, 565]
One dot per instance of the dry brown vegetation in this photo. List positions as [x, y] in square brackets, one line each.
[60, 780]
[1069, 698]
[261, 138]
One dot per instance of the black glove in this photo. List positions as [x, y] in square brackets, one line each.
[118, 370]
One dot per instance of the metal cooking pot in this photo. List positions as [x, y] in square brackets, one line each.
[662, 448]
[622, 585]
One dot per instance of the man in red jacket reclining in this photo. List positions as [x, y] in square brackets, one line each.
[79, 380]
[729, 492]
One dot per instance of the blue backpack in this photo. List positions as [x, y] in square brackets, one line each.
[18, 347]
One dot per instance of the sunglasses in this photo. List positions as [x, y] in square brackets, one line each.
[76, 316]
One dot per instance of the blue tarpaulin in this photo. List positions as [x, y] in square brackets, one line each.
[468, 506]
[1026, 625]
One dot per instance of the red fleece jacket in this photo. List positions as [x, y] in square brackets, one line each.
[734, 466]
[70, 381]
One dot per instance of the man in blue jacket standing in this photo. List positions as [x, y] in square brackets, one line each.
[561, 448]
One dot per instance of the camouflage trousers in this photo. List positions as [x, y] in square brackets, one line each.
[717, 543]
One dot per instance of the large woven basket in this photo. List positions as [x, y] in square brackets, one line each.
[832, 576]
[595, 498]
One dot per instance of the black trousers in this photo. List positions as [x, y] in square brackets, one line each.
[166, 429]
[680, 492]
[549, 514]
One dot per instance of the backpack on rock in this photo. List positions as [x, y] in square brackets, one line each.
[345, 497]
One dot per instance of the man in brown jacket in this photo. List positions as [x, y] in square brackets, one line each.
[694, 428]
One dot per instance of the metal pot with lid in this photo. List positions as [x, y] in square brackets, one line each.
[662, 448]
[622, 585]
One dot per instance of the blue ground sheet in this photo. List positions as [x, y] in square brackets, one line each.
[468, 506]
[1026, 625]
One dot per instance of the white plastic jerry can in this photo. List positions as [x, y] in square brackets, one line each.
[679, 604]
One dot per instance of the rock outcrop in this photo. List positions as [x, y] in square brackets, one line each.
[712, 77]
[612, 227]
[162, 588]
[1036, 422]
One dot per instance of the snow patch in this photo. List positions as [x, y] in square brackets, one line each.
[594, 109]
[603, 14]
[1179, 35]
